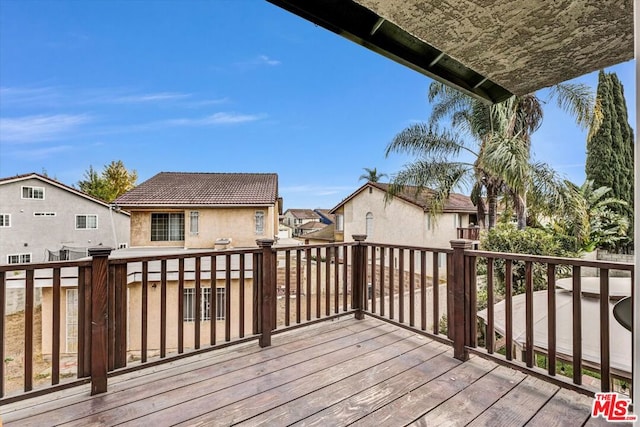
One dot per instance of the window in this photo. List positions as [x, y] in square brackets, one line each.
[457, 221]
[339, 222]
[193, 222]
[86, 222]
[123, 245]
[220, 303]
[5, 220]
[428, 221]
[167, 227]
[72, 320]
[259, 222]
[369, 224]
[33, 193]
[44, 214]
[18, 258]
[189, 304]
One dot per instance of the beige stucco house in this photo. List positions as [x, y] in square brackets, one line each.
[202, 210]
[180, 214]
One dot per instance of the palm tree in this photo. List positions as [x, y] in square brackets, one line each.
[500, 146]
[372, 175]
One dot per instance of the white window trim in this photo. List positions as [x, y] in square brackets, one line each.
[44, 214]
[8, 216]
[192, 215]
[340, 222]
[259, 231]
[86, 228]
[221, 308]
[205, 305]
[20, 255]
[33, 188]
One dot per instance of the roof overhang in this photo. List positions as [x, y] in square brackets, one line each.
[486, 48]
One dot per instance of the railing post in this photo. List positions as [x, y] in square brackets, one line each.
[461, 321]
[99, 318]
[268, 291]
[359, 275]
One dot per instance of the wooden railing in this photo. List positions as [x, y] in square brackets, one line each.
[135, 312]
[470, 233]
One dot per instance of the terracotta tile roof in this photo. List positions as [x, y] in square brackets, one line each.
[203, 189]
[303, 213]
[455, 203]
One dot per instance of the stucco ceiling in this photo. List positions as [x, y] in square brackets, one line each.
[487, 48]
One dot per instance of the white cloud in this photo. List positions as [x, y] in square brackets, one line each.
[221, 118]
[19, 96]
[264, 59]
[40, 127]
[149, 97]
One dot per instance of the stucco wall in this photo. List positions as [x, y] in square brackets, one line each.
[34, 234]
[47, 320]
[398, 222]
[236, 223]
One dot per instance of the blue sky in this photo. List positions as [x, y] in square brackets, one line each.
[216, 86]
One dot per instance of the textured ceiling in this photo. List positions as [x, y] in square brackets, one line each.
[521, 45]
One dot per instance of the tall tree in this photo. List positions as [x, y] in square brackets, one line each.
[114, 181]
[610, 144]
[372, 175]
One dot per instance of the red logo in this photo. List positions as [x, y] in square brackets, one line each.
[612, 408]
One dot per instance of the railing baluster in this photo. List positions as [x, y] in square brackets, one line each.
[336, 279]
[345, 263]
[508, 292]
[365, 284]
[256, 295]
[55, 347]
[28, 332]
[298, 285]
[529, 356]
[577, 326]
[287, 287]
[198, 308]
[163, 308]
[423, 291]
[373, 279]
[472, 308]
[490, 334]
[180, 319]
[382, 272]
[412, 294]
[435, 288]
[605, 354]
[111, 318]
[145, 313]
[241, 296]
[327, 281]
[401, 285]
[227, 298]
[308, 282]
[213, 324]
[121, 304]
[392, 273]
[551, 316]
[318, 283]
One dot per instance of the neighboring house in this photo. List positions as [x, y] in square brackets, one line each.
[42, 219]
[309, 227]
[203, 210]
[406, 219]
[295, 218]
[179, 213]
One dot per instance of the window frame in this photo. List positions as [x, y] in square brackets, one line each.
[5, 220]
[189, 302]
[170, 216]
[21, 257]
[32, 192]
[259, 222]
[368, 224]
[340, 222]
[194, 223]
[86, 218]
[44, 214]
[221, 303]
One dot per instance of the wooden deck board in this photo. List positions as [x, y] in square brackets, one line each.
[333, 373]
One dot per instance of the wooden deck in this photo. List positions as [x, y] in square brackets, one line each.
[367, 373]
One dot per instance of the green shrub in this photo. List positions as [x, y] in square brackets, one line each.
[532, 241]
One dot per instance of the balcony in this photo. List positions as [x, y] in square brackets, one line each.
[334, 334]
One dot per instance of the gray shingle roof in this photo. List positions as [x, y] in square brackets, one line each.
[203, 189]
[303, 213]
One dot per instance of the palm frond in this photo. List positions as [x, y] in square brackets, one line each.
[422, 139]
[577, 99]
